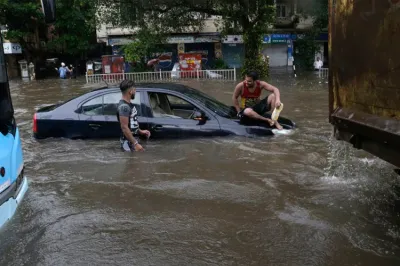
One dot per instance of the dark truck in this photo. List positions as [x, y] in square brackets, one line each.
[364, 75]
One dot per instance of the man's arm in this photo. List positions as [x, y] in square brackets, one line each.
[273, 89]
[124, 116]
[235, 96]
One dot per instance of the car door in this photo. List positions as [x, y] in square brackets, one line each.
[165, 123]
[91, 118]
[209, 127]
[112, 127]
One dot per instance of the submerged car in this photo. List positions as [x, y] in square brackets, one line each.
[166, 110]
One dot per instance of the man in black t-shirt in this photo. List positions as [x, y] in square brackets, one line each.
[127, 117]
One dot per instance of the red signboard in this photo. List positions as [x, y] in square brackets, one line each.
[189, 63]
[112, 64]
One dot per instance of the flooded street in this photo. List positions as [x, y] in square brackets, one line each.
[296, 199]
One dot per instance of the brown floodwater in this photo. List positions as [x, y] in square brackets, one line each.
[300, 198]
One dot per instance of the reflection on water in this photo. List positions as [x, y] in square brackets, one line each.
[298, 198]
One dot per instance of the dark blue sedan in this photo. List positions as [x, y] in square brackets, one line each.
[167, 110]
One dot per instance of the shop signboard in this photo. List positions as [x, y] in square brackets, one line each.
[113, 64]
[267, 38]
[12, 48]
[277, 38]
[180, 39]
[280, 38]
[230, 39]
[189, 62]
[206, 39]
[120, 41]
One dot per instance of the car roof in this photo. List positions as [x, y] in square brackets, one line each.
[165, 86]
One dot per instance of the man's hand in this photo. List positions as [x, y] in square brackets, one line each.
[145, 133]
[278, 103]
[138, 147]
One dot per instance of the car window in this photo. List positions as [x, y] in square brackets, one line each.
[111, 100]
[162, 105]
[93, 106]
[110, 103]
[175, 100]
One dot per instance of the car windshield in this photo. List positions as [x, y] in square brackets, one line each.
[211, 103]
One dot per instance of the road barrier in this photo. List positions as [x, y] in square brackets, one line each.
[165, 76]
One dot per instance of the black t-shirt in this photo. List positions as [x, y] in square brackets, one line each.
[128, 110]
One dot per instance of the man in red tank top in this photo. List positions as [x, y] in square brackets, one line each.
[251, 106]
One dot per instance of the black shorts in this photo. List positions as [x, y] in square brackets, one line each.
[261, 108]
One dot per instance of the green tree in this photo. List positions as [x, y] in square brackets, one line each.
[25, 21]
[74, 30]
[248, 17]
[145, 44]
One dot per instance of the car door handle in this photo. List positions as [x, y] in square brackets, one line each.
[157, 127]
[94, 126]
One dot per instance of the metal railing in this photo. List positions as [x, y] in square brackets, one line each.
[165, 76]
[323, 72]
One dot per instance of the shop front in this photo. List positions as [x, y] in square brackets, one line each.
[233, 50]
[168, 54]
[206, 45]
[209, 46]
[279, 48]
[322, 47]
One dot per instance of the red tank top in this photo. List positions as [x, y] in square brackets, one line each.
[255, 94]
[249, 99]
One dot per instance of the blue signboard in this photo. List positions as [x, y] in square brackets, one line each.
[279, 38]
[267, 39]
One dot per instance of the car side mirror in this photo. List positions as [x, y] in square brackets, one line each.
[200, 116]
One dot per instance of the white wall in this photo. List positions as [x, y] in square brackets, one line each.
[103, 31]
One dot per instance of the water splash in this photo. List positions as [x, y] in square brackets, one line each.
[340, 168]
[285, 132]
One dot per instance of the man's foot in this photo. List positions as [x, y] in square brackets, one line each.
[277, 125]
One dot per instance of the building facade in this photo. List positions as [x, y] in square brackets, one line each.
[279, 44]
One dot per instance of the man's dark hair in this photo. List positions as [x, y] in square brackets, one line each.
[252, 74]
[126, 84]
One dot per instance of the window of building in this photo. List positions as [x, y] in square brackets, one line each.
[281, 11]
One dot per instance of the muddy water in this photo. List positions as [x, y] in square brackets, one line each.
[295, 199]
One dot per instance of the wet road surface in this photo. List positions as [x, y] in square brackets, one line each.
[296, 199]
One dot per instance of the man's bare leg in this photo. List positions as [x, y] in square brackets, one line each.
[271, 101]
[250, 113]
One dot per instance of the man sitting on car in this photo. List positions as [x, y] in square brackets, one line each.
[127, 117]
[251, 106]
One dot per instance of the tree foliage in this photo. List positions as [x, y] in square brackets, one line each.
[145, 44]
[24, 19]
[249, 17]
[74, 30]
